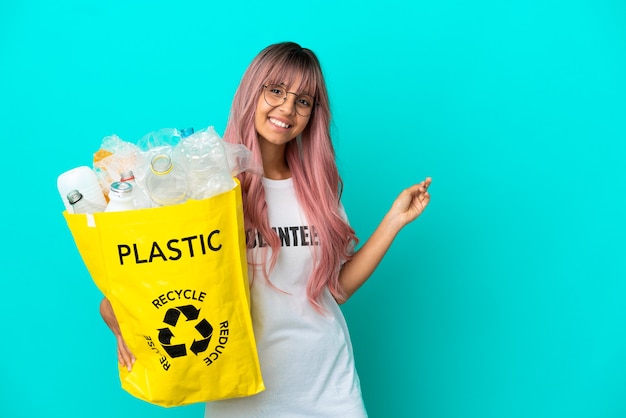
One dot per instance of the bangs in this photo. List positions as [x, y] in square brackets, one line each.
[296, 71]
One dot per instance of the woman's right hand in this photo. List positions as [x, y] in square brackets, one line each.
[124, 355]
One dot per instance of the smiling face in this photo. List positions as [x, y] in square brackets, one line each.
[278, 125]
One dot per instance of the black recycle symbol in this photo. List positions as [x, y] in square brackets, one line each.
[203, 327]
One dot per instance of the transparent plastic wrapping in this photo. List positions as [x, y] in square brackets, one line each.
[113, 158]
[208, 162]
[240, 159]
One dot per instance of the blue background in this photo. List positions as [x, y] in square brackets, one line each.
[506, 299]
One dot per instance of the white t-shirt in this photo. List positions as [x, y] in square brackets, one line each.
[306, 357]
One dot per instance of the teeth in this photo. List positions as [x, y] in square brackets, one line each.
[279, 123]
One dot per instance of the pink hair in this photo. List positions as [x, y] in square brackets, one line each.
[311, 159]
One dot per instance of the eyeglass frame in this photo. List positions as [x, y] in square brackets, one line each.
[265, 87]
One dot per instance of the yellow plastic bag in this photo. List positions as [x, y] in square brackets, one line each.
[176, 277]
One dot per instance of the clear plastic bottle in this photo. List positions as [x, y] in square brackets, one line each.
[79, 204]
[142, 200]
[207, 162]
[121, 197]
[166, 183]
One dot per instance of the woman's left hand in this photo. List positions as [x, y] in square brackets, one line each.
[411, 202]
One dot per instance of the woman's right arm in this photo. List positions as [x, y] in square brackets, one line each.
[124, 356]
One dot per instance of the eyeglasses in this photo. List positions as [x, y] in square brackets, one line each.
[276, 94]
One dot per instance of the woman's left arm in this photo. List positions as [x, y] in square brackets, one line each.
[409, 204]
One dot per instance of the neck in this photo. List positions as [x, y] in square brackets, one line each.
[276, 172]
[275, 165]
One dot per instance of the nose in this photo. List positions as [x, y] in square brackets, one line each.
[289, 105]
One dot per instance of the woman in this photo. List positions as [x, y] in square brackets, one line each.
[300, 246]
